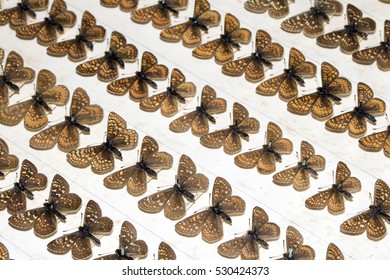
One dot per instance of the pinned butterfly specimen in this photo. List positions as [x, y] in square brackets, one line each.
[248, 245]
[210, 221]
[230, 138]
[358, 28]
[4, 254]
[334, 197]
[159, 13]
[168, 100]
[137, 85]
[295, 248]
[17, 16]
[79, 242]
[286, 83]
[44, 219]
[222, 49]
[198, 120]
[333, 253]
[101, 157]
[75, 48]
[299, 175]
[106, 67]
[7, 162]
[312, 21]
[124, 5]
[320, 103]
[129, 247]
[33, 111]
[30, 180]
[47, 31]
[135, 176]
[377, 141]
[380, 54]
[165, 252]
[371, 220]
[13, 74]
[265, 158]
[188, 184]
[190, 32]
[275, 8]
[355, 120]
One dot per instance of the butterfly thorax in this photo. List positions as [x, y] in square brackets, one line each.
[56, 25]
[227, 40]
[255, 237]
[303, 165]
[217, 211]
[269, 149]
[195, 22]
[290, 74]
[324, 92]
[172, 91]
[385, 45]
[39, 99]
[112, 149]
[51, 208]
[338, 188]
[121, 255]
[317, 11]
[165, 6]
[259, 56]
[142, 164]
[81, 38]
[289, 255]
[361, 112]
[202, 110]
[143, 76]
[236, 129]
[4, 79]
[85, 231]
[21, 187]
[71, 120]
[377, 210]
[180, 189]
[352, 29]
[112, 55]
[25, 8]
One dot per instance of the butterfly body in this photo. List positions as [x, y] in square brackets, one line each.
[196, 22]
[49, 22]
[147, 169]
[83, 39]
[23, 6]
[295, 248]
[112, 56]
[179, 189]
[5, 80]
[144, 77]
[258, 56]
[203, 111]
[72, 121]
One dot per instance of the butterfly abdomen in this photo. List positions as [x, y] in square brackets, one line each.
[172, 91]
[164, 6]
[10, 84]
[351, 29]
[325, 92]
[24, 7]
[179, 188]
[148, 170]
[318, 12]
[195, 22]
[112, 55]
[227, 40]
[290, 74]
[21, 187]
[258, 56]
[71, 120]
[256, 238]
[235, 129]
[51, 22]
[217, 211]
[81, 38]
[51, 208]
[113, 149]
[202, 110]
[361, 112]
[338, 188]
[303, 165]
[38, 99]
[144, 77]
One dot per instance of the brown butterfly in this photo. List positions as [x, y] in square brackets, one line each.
[355, 120]
[372, 219]
[17, 16]
[44, 219]
[30, 180]
[312, 21]
[168, 100]
[199, 119]
[209, 221]
[159, 13]
[124, 5]
[129, 247]
[376, 141]
[101, 157]
[80, 241]
[171, 200]
[75, 48]
[137, 85]
[248, 245]
[46, 31]
[223, 48]
[190, 31]
[265, 158]
[299, 175]
[286, 83]
[106, 67]
[33, 110]
[334, 197]
[12, 74]
[4, 254]
[7, 162]
[230, 138]
[320, 103]
[348, 38]
[380, 54]
[276, 8]
[135, 176]
[165, 252]
[66, 133]
[295, 248]
[333, 253]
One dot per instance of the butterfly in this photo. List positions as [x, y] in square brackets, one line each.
[222, 48]
[4, 254]
[190, 31]
[286, 83]
[124, 5]
[265, 158]
[106, 67]
[168, 100]
[44, 219]
[333, 253]
[299, 175]
[137, 85]
[13, 73]
[80, 241]
[210, 221]
[30, 180]
[171, 200]
[295, 248]
[17, 16]
[320, 103]
[348, 38]
[135, 176]
[276, 8]
[248, 245]
[46, 31]
[334, 197]
[7, 162]
[229, 138]
[355, 120]
[380, 54]
[199, 119]
[129, 247]
[75, 48]
[101, 157]
[376, 141]
[66, 133]
[371, 220]
[33, 110]
[165, 252]
[312, 21]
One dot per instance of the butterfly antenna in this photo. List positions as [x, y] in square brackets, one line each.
[285, 63]
[108, 44]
